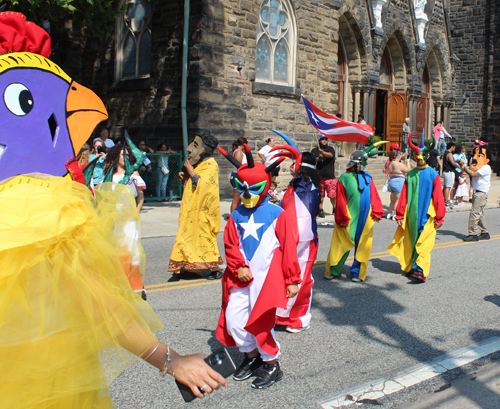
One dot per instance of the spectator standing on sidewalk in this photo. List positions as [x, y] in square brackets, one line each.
[480, 173]
[449, 166]
[397, 171]
[162, 171]
[325, 155]
[460, 159]
[434, 160]
[439, 134]
[265, 156]
[361, 120]
[406, 132]
[104, 135]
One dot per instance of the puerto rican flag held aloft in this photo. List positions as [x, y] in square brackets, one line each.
[335, 128]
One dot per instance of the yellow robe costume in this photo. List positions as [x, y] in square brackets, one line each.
[68, 316]
[195, 246]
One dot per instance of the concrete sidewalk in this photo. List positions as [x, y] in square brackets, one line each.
[162, 218]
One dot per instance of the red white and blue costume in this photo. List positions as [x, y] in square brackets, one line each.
[301, 204]
[258, 236]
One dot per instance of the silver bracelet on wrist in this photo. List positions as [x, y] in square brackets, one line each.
[163, 371]
[152, 352]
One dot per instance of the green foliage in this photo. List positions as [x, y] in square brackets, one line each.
[93, 16]
[373, 139]
[459, 144]
[428, 142]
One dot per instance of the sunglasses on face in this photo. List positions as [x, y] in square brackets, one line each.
[256, 189]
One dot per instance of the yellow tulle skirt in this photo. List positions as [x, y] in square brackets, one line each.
[69, 319]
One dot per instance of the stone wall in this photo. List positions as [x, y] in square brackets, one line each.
[476, 43]
[223, 96]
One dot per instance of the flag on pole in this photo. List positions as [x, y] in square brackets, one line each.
[335, 128]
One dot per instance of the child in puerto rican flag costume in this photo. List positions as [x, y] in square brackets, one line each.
[301, 205]
[262, 272]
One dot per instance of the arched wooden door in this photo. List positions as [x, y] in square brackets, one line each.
[397, 109]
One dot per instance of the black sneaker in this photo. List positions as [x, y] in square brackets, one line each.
[144, 296]
[484, 236]
[268, 375]
[417, 277]
[248, 367]
[472, 237]
[215, 275]
[321, 213]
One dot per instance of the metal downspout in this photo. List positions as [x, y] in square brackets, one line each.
[185, 47]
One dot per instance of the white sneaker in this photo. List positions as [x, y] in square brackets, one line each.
[356, 279]
[389, 216]
[394, 218]
[295, 330]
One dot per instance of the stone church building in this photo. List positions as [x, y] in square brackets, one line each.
[249, 61]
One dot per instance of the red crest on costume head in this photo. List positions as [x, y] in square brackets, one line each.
[251, 173]
[292, 153]
[19, 35]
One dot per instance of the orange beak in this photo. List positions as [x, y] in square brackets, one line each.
[84, 111]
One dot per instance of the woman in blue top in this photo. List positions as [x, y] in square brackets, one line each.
[98, 175]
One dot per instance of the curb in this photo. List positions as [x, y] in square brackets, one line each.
[416, 374]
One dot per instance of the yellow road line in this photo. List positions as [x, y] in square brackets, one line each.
[175, 283]
[185, 286]
[196, 283]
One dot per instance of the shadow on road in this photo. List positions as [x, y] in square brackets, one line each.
[494, 298]
[365, 306]
[442, 232]
[387, 266]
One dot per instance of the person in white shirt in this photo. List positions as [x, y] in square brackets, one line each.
[406, 133]
[104, 135]
[266, 156]
[480, 173]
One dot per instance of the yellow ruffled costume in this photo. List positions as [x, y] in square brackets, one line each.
[402, 248]
[195, 246]
[69, 320]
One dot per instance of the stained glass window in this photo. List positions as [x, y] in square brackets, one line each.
[275, 57]
[263, 62]
[281, 62]
[134, 41]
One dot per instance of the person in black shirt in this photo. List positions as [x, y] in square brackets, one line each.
[325, 155]
[434, 160]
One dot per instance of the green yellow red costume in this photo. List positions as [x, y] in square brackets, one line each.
[421, 207]
[358, 206]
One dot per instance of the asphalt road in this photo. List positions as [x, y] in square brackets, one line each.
[360, 331]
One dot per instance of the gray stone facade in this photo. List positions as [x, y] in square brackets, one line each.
[475, 38]
[225, 98]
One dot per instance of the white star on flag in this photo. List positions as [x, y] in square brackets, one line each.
[251, 228]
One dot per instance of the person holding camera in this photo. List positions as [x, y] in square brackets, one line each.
[98, 150]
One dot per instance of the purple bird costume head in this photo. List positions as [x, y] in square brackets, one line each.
[45, 117]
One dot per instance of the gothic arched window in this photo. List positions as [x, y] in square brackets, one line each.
[276, 39]
[133, 53]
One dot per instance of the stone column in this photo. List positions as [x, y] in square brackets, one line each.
[446, 116]
[370, 104]
[366, 110]
[438, 115]
[357, 95]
